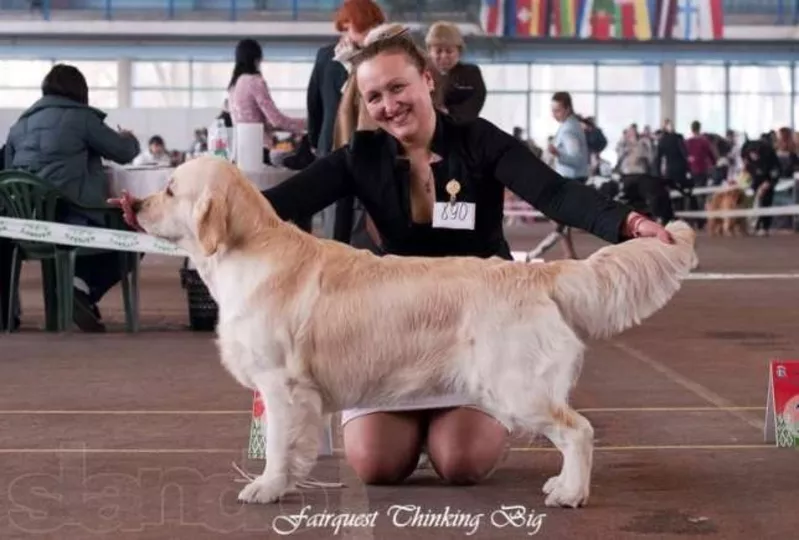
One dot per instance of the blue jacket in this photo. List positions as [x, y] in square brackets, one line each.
[62, 141]
[573, 155]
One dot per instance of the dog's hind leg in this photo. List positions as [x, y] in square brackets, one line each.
[573, 435]
[294, 421]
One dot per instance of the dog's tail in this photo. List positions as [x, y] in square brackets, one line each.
[619, 286]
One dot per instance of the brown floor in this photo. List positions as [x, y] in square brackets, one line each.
[120, 436]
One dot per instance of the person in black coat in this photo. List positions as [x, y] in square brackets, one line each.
[761, 162]
[353, 20]
[435, 187]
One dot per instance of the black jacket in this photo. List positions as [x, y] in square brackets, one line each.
[766, 165]
[671, 149]
[324, 95]
[464, 92]
[482, 158]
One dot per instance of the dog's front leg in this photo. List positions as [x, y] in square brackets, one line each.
[294, 419]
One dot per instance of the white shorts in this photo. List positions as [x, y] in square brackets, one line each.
[446, 401]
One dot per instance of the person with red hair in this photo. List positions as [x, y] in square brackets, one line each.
[353, 20]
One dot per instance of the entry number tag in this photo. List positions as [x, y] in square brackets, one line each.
[458, 215]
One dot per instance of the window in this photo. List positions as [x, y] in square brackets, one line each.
[556, 77]
[103, 99]
[99, 74]
[286, 75]
[290, 102]
[505, 76]
[755, 114]
[23, 73]
[542, 125]
[208, 99]
[161, 75]
[211, 74]
[709, 109]
[760, 79]
[505, 110]
[18, 99]
[628, 78]
[147, 99]
[615, 113]
[701, 78]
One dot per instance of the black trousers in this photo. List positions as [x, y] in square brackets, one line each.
[766, 200]
[6, 247]
[100, 272]
[649, 195]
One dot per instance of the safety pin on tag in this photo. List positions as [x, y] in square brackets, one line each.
[453, 188]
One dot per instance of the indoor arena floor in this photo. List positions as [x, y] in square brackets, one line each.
[134, 436]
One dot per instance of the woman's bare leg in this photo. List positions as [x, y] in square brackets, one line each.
[465, 445]
[383, 448]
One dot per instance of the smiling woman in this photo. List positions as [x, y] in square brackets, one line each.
[435, 187]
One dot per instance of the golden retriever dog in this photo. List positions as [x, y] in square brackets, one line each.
[317, 326]
[733, 198]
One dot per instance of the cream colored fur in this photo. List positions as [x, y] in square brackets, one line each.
[317, 326]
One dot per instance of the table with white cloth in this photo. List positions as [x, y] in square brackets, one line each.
[143, 181]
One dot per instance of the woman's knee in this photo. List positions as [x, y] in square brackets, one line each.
[466, 445]
[382, 448]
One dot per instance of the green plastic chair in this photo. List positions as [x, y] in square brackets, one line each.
[25, 196]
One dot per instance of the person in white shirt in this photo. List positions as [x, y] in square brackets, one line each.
[156, 153]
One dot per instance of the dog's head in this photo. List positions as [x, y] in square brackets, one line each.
[208, 204]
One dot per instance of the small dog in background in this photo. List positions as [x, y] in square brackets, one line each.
[733, 198]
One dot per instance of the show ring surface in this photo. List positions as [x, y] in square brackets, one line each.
[133, 435]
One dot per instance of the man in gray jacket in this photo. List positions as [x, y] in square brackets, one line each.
[61, 139]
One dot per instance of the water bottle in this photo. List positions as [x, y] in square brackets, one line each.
[219, 143]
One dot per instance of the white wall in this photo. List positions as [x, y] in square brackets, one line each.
[176, 126]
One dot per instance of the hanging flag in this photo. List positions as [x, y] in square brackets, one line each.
[711, 19]
[598, 19]
[664, 18]
[530, 18]
[686, 25]
[565, 15]
[492, 17]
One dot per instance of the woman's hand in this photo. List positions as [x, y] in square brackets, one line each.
[639, 226]
[126, 204]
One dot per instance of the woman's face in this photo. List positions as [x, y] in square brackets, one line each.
[444, 57]
[396, 94]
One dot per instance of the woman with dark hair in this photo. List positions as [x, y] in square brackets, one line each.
[61, 139]
[249, 99]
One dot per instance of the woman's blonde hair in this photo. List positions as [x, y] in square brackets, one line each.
[445, 34]
[386, 38]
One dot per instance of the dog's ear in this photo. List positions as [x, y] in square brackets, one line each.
[212, 218]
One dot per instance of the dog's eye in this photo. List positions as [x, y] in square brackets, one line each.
[168, 191]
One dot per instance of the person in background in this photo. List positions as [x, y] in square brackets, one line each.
[763, 166]
[786, 153]
[249, 99]
[63, 140]
[569, 151]
[156, 153]
[671, 158]
[702, 156]
[596, 140]
[353, 20]
[200, 143]
[461, 86]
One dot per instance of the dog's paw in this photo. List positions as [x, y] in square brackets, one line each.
[263, 491]
[552, 484]
[563, 493]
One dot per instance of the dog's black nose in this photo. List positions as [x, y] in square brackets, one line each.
[137, 204]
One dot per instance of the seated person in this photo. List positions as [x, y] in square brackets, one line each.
[156, 153]
[63, 140]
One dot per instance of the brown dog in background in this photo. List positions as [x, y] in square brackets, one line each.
[729, 199]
